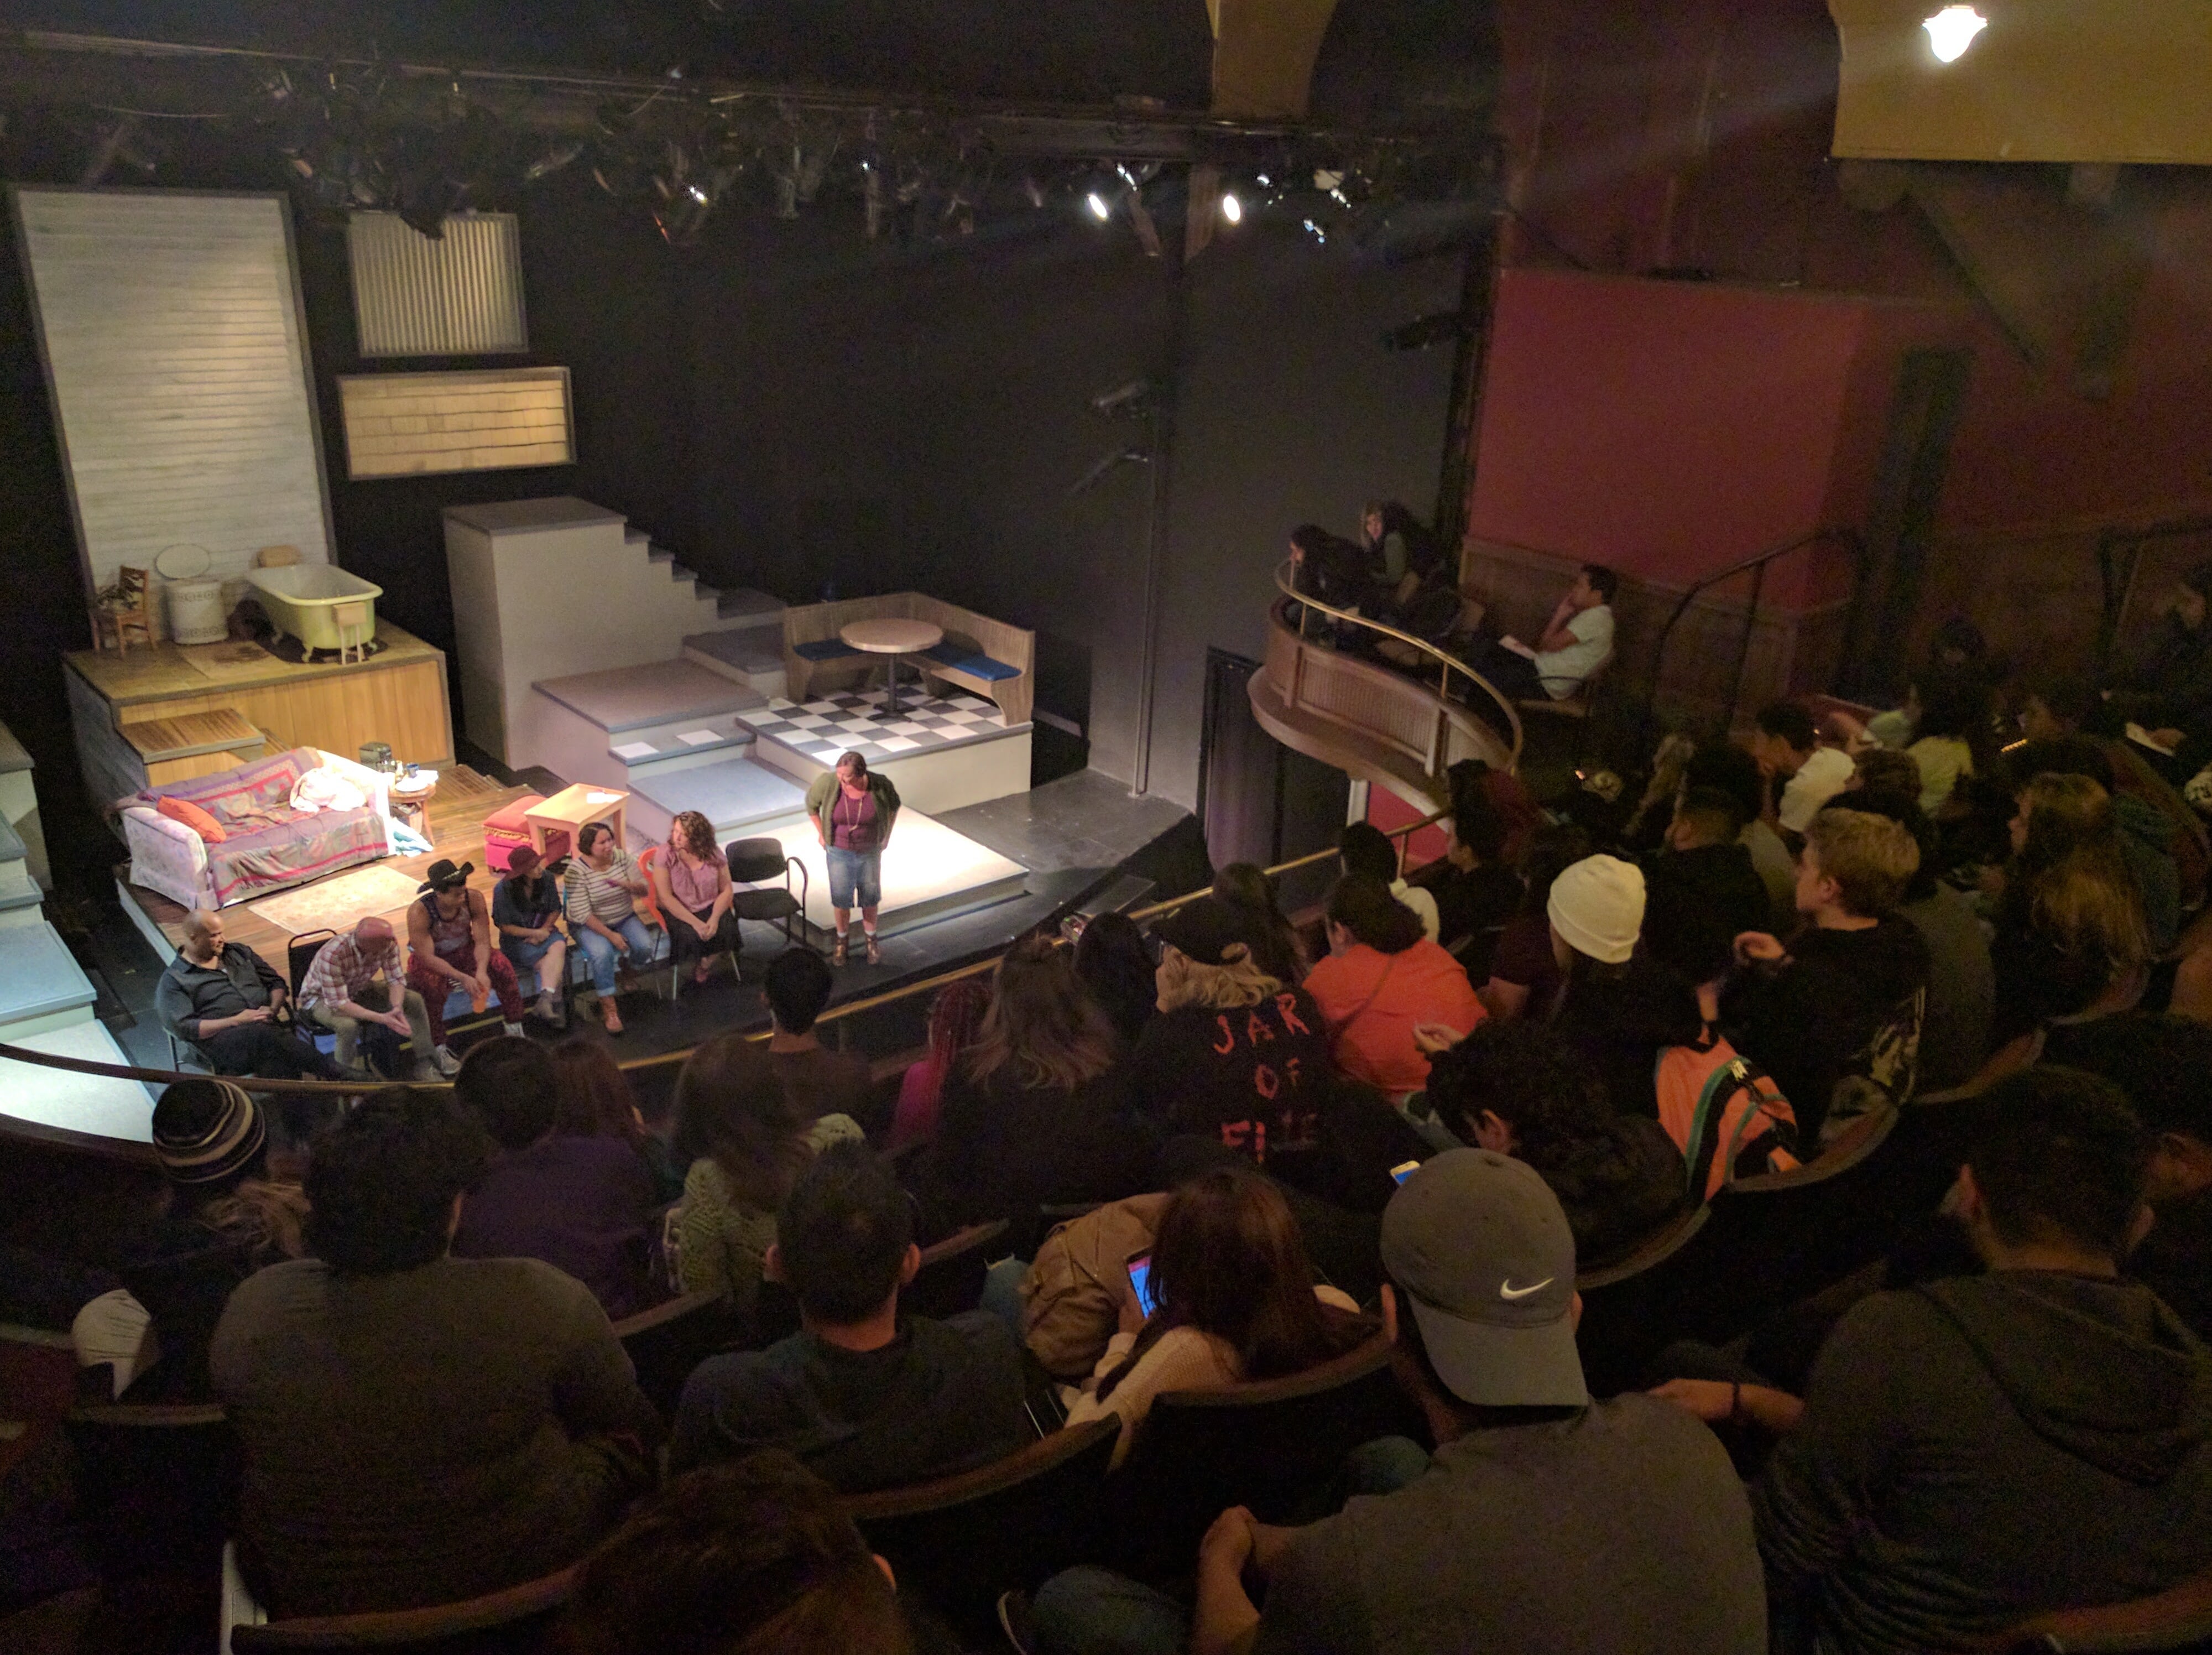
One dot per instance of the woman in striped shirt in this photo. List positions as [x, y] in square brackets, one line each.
[600, 895]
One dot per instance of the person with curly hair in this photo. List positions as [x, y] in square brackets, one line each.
[417, 1428]
[691, 883]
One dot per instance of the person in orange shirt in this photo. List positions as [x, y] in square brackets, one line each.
[1383, 979]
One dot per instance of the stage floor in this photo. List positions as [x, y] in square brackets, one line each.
[928, 871]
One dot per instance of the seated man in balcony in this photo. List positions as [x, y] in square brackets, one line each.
[1575, 642]
[229, 1002]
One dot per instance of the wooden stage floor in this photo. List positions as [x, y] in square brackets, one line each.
[456, 830]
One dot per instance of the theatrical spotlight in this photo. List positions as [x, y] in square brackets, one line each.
[1101, 209]
[1114, 462]
[1131, 400]
[1231, 207]
[1952, 30]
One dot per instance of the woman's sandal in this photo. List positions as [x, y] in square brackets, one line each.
[838, 954]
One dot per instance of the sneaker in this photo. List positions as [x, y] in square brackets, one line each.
[427, 1072]
[1015, 1621]
[558, 1016]
[448, 1065]
[513, 1031]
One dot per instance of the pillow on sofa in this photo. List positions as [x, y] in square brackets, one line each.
[192, 816]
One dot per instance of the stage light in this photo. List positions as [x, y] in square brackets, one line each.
[698, 195]
[1231, 207]
[1316, 231]
[1101, 209]
[1952, 30]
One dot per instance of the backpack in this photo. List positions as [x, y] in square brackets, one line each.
[1725, 1114]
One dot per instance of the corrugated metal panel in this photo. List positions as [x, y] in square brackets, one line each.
[171, 327]
[458, 296]
[495, 419]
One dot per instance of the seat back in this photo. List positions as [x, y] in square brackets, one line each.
[956, 1543]
[513, 1622]
[951, 1279]
[156, 1485]
[667, 1341]
[2175, 1620]
[1277, 1445]
[752, 861]
[300, 955]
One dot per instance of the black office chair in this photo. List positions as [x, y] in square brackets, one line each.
[754, 860]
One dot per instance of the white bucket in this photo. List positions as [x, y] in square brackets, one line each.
[197, 613]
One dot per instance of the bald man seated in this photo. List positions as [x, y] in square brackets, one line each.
[357, 987]
[227, 1001]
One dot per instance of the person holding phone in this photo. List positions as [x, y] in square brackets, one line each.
[1233, 1299]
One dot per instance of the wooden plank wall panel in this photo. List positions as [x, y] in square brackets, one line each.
[408, 424]
[171, 328]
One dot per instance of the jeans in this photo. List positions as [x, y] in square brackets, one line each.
[600, 953]
[1002, 1295]
[855, 874]
[1087, 1610]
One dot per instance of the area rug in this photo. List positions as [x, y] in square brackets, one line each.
[334, 904]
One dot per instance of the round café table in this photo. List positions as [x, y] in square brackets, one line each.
[891, 638]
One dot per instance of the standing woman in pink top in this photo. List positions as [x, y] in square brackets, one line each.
[1383, 979]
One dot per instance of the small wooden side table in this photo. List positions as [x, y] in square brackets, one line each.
[572, 808]
[411, 805]
[893, 638]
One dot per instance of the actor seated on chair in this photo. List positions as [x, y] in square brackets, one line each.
[691, 882]
[1983, 1448]
[526, 910]
[604, 885]
[416, 1429]
[228, 1001]
[819, 1081]
[342, 992]
[866, 1398]
[1575, 642]
[449, 947]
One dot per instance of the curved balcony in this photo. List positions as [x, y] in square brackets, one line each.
[1398, 729]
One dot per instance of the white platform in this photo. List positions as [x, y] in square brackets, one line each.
[929, 871]
[940, 753]
[55, 1100]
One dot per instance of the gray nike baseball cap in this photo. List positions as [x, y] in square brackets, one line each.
[1477, 1245]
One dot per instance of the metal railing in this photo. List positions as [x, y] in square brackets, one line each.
[835, 1015]
[1756, 565]
[1445, 664]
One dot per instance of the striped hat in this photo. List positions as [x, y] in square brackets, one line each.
[206, 1130]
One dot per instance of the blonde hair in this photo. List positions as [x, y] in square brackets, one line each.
[2086, 905]
[1041, 1027]
[1237, 980]
[1871, 858]
[262, 1215]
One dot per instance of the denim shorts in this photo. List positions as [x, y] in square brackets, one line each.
[855, 878]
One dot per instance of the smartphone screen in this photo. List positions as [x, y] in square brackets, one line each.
[1403, 1171]
[1140, 1282]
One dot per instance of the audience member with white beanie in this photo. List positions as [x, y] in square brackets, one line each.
[1618, 1006]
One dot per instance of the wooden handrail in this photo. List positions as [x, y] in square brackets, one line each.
[1448, 664]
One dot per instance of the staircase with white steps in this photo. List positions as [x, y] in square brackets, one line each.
[46, 1006]
[551, 588]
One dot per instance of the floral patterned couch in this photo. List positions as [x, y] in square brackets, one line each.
[268, 844]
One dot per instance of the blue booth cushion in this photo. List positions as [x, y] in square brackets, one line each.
[823, 649]
[981, 667]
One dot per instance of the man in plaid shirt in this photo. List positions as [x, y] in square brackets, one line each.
[342, 994]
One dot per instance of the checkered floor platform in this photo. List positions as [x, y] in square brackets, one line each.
[854, 721]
